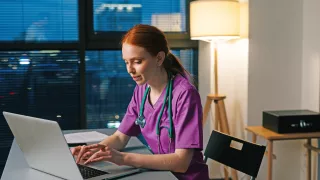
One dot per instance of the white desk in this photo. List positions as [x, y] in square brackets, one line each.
[17, 168]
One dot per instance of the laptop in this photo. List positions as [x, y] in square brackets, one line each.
[45, 149]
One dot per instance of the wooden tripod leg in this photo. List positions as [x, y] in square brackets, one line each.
[218, 125]
[217, 117]
[225, 128]
[206, 110]
[223, 115]
[215, 121]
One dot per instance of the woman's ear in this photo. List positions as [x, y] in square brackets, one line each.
[160, 58]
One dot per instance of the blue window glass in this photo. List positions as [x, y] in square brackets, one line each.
[121, 15]
[42, 84]
[109, 87]
[189, 59]
[38, 20]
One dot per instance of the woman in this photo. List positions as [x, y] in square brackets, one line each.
[165, 108]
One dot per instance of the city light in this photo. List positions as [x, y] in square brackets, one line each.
[24, 61]
[118, 7]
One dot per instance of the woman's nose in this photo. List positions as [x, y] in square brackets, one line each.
[130, 69]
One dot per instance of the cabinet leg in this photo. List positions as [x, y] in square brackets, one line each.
[254, 138]
[270, 148]
[309, 160]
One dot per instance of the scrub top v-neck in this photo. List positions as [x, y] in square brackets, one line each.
[158, 102]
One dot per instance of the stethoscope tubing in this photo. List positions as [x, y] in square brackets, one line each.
[168, 98]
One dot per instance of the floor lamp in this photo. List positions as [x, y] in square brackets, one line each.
[215, 21]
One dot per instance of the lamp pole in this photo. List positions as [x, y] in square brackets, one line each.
[214, 44]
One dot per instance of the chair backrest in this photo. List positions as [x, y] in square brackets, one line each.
[235, 153]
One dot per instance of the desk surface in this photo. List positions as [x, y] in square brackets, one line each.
[270, 135]
[17, 168]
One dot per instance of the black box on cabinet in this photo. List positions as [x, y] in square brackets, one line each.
[291, 121]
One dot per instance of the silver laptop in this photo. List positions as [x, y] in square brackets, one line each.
[45, 149]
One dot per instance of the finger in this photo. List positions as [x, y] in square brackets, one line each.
[82, 151]
[106, 148]
[97, 155]
[94, 156]
[74, 150]
[86, 155]
[97, 159]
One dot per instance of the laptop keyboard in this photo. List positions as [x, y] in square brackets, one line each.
[88, 172]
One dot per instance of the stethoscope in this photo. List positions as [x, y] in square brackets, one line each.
[141, 121]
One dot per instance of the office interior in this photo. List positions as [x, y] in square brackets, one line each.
[74, 73]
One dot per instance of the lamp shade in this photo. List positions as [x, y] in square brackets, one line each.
[214, 19]
[244, 20]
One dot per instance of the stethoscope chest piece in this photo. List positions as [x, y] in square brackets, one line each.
[141, 121]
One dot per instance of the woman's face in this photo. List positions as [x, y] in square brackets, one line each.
[141, 65]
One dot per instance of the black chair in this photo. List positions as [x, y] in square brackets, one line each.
[235, 153]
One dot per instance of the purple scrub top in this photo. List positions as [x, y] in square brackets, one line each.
[187, 120]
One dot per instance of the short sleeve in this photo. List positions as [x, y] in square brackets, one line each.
[128, 125]
[188, 121]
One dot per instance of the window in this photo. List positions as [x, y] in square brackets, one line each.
[40, 21]
[109, 87]
[42, 84]
[121, 15]
[189, 59]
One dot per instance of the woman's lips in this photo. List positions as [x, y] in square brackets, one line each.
[136, 78]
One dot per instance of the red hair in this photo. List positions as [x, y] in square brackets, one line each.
[154, 41]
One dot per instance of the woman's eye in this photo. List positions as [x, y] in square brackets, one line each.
[138, 62]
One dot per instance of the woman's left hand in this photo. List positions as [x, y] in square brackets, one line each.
[108, 154]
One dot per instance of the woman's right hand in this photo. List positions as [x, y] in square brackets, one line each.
[83, 153]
